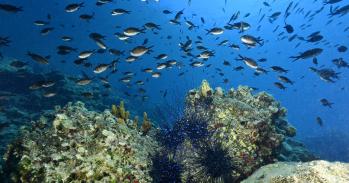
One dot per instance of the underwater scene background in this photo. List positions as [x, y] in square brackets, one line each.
[164, 72]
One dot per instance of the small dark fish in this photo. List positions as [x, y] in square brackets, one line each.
[46, 31]
[167, 12]
[87, 17]
[319, 121]
[289, 28]
[315, 38]
[279, 69]
[10, 8]
[279, 85]
[326, 103]
[315, 61]
[79, 61]
[226, 63]
[202, 20]
[238, 68]
[339, 62]
[331, 1]
[285, 80]
[342, 49]
[262, 60]
[266, 4]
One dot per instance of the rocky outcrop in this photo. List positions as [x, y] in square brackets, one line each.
[309, 172]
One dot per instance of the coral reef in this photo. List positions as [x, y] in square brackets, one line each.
[81, 146]
[23, 99]
[309, 172]
[226, 136]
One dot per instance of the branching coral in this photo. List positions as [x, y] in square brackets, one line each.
[146, 125]
[120, 112]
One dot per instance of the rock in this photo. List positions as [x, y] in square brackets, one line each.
[310, 172]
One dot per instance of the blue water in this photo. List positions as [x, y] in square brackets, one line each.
[301, 99]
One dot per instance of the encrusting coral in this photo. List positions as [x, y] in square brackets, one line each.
[81, 146]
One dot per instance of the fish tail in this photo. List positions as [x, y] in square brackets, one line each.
[295, 58]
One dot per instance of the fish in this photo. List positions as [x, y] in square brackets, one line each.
[326, 103]
[311, 53]
[116, 52]
[166, 12]
[202, 20]
[342, 49]
[140, 50]
[331, 1]
[132, 31]
[161, 56]
[70, 8]
[339, 62]
[46, 31]
[278, 69]
[66, 38]
[116, 12]
[340, 11]
[86, 54]
[161, 66]
[10, 8]
[266, 4]
[289, 28]
[87, 17]
[102, 2]
[274, 16]
[152, 26]
[251, 40]
[249, 62]
[326, 74]
[41, 23]
[38, 58]
[197, 64]
[285, 80]
[101, 68]
[242, 26]
[156, 74]
[315, 38]
[49, 94]
[101, 44]
[215, 31]
[279, 85]
[319, 121]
